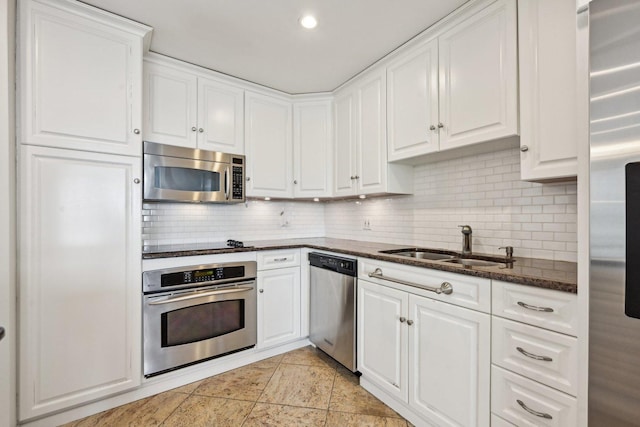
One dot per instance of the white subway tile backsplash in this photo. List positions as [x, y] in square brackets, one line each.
[483, 191]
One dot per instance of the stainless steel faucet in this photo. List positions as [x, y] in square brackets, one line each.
[466, 239]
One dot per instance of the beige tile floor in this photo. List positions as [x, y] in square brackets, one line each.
[301, 388]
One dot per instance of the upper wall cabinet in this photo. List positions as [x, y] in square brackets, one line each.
[81, 78]
[361, 141]
[312, 149]
[458, 88]
[269, 146]
[548, 99]
[190, 110]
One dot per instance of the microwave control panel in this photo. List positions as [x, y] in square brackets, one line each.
[237, 183]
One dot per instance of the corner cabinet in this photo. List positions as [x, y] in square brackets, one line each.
[81, 78]
[279, 297]
[427, 358]
[268, 146]
[312, 149]
[548, 90]
[457, 88]
[361, 141]
[79, 267]
[187, 109]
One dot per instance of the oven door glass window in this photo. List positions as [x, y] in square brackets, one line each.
[184, 179]
[202, 322]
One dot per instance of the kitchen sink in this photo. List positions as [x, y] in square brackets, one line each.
[449, 257]
[472, 262]
[434, 255]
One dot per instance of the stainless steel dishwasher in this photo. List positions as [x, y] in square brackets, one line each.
[332, 323]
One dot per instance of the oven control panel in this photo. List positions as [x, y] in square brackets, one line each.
[178, 278]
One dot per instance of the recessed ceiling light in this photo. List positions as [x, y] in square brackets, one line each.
[308, 21]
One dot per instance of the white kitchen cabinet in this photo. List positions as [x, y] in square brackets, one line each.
[412, 114]
[312, 149]
[382, 337]
[534, 378]
[80, 275]
[269, 146]
[548, 90]
[458, 87]
[81, 78]
[430, 356]
[279, 297]
[478, 63]
[185, 108]
[361, 165]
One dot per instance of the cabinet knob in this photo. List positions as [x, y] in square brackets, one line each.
[193, 129]
[432, 127]
[357, 177]
[200, 130]
[353, 177]
[136, 131]
[261, 291]
[440, 125]
[295, 181]
[403, 319]
[409, 322]
[136, 180]
[248, 178]
[524, 148]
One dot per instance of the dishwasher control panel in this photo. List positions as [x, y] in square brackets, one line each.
[340, 265]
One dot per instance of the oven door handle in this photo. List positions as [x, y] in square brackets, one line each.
[200, 295]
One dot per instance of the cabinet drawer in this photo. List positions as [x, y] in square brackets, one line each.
[468, 291]
[496, 421]
[278, 259]
[524, 402]
[545, 308]
[548, 357]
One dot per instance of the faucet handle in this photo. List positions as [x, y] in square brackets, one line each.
[509, 250]
[465, 229]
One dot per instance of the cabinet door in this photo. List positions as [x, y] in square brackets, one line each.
[312, 153]
[382, 337]
[548, 98]
[170, 106]
[412, 110]
[371, 134]
[345, 144]
[278, 306]
[269, 146]
[80, 278]
[82, 85]
[478, 77]
[220, 117]
[449, 362]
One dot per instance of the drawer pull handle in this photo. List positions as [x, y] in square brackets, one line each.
[280, 259]
[444, 288]
[535, 308]
[532, 412]
[534, 356]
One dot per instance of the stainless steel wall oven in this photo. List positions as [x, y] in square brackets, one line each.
[195, 313]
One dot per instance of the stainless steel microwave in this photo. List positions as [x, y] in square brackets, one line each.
[178, 174]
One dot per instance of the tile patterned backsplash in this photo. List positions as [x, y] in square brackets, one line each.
[483, 191]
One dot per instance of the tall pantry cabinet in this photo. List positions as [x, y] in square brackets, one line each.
[80, 102]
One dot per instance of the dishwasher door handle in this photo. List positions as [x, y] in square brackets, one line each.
[444, 288]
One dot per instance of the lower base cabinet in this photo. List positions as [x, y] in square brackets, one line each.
[278, 306]
[429, 354]
[80, 310]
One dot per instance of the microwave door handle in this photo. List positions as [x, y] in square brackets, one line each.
[227, 183]
[200, 295]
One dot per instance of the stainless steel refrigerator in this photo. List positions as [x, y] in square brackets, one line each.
[614, 312]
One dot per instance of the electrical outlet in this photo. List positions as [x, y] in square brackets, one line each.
[367, 224]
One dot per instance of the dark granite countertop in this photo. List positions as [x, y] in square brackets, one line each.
[558, 275]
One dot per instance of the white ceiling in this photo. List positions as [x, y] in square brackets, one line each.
[262, 42]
